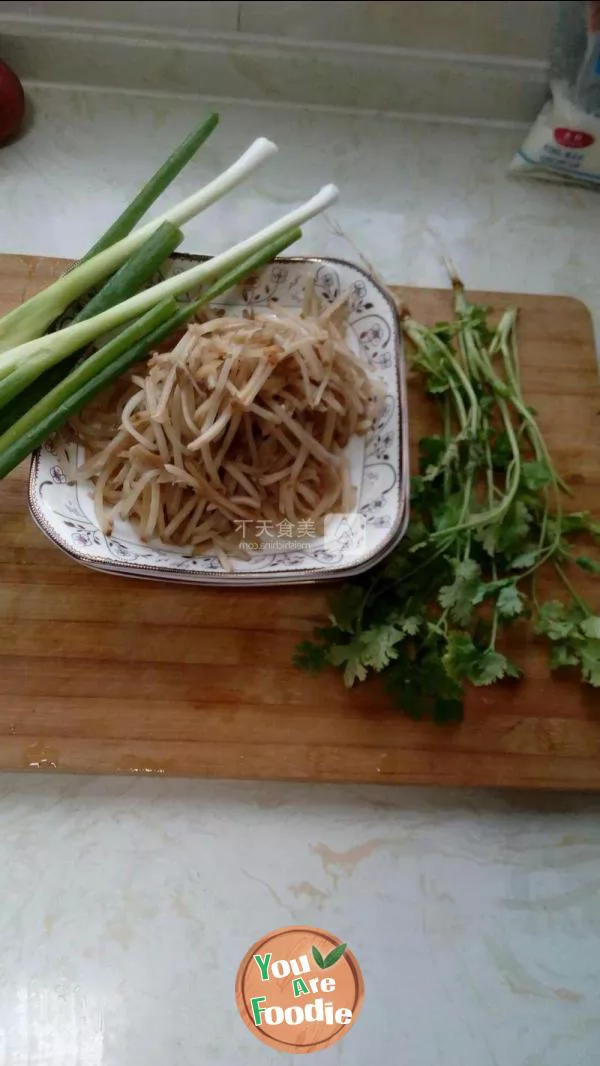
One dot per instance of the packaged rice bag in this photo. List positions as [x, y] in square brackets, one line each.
[564, 142]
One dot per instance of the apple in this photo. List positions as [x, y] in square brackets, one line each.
[12, 103]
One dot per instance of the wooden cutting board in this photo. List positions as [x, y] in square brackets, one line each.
[102, 674]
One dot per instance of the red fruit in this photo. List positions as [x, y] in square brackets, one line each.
[12, 103]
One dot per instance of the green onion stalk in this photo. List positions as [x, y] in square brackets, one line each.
[32, 318]
[44, 352]
[153, 188]
[115, 357]
[25, 386]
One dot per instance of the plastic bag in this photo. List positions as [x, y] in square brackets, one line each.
[564, 142]
[562, 145]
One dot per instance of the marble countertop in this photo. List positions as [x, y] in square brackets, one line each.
[128, 904]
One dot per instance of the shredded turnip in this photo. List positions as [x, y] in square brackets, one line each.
[246, 418]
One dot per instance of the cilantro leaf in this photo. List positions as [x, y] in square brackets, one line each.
[373, 648]
[590, 565]
[447, 513]
[483, 592]
[460, 656]
[556, 621]
[488, 538]
[310, 657]
[510, 602]
[431, 450]
[379, 645]
[590, 627]
[502, 453]
[419, 684]
[562, 655]
[536, 475]
[576, 638]
[589, 658]
[437, 383]
[507, 535]
[514, 528]
[525, 560]
[407, 622]
[350, 656]
[438, 461]
[465, 661]
[492, 666]
[512, 670]
[455, 582]
[457, 598]
[345, 605]
[328, 634]
[579, 522]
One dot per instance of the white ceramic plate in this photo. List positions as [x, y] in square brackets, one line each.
[378, 461]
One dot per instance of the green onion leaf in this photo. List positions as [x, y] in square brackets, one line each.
[32, 318]
[142, 265]
[109, 362]
[138, 269]
[154, 187]
[59, 345]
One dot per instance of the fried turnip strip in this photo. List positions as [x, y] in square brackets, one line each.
[160, 413]
[245, 419]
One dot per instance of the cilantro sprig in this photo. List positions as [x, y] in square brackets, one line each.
[487, 511]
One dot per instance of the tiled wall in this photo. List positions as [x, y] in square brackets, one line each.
[517, 28]
[479, 59]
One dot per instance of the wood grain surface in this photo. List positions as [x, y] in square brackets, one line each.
[103, 674]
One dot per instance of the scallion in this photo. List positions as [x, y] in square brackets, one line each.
[51, 349]
[135, 272]
[154, 187]
[138, 269]
[32, 318]
[109, 362]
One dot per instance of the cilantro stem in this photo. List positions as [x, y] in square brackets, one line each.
[468, 491]
[421, 338]
[489, 472]
[490, 494]
[486, 515]
[495, 513]
[447, 438]
[504, 330]
[505, 341]
[494, 633]
[575, 595]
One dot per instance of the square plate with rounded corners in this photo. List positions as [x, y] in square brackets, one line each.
[378, 461]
